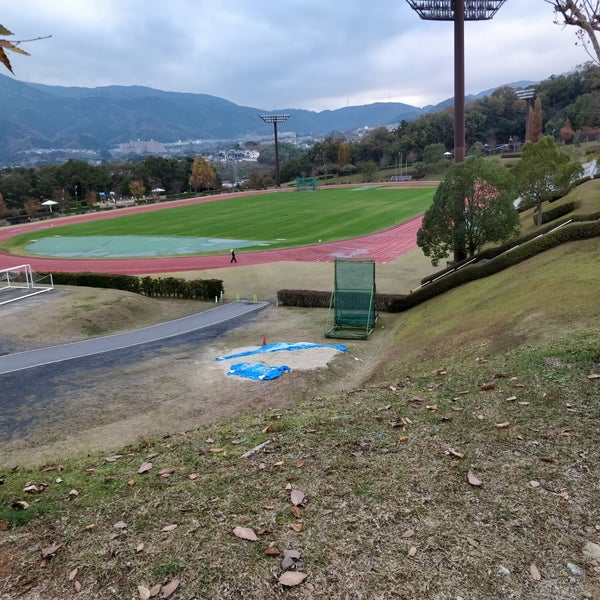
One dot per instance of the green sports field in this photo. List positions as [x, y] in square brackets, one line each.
[283, 220]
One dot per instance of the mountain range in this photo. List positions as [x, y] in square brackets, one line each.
[39, 118]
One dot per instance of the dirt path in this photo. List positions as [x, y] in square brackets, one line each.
[102, 403]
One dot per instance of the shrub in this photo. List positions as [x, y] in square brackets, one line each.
[160, 287]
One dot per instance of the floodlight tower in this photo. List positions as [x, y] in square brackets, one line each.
[275, 119]
[458, 11]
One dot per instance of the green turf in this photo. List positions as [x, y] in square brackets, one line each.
[286, 219]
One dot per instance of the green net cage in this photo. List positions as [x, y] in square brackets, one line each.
[352, 310]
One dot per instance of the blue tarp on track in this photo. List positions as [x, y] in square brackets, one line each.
[283, 346]
[257, 371]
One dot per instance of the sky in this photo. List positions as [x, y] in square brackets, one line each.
[277, 54]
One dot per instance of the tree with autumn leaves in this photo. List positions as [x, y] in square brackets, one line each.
[8, 45]
[203, 176]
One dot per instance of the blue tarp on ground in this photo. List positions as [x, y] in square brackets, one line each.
[283, 346]
[257, 371]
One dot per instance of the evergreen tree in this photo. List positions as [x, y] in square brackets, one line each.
[472, 206]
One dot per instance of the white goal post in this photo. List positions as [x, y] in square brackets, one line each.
[21, 282]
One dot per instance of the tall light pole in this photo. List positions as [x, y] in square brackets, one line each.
[458, 11]
[275, 119]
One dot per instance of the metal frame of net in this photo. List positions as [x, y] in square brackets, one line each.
[306, 183]
[352, 310]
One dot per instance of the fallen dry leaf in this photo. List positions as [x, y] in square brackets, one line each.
[166, 472]
[169, 528]
[21, 504]
[144, 467]
[295, 511]
[413, 551]
[73, 574]
[245, 533]
[297, 497]
[300, 463]
[3, 524]
[272, 550]
[473, 479]
[77, 585]
[50, 551]
[408, 533]
[120, 525]
[143, 592]
[503, 425]
[487, 386]
[297, 527]
[167, 589]
[290, 558]
[594, 376]
[472, 541]
[534, 572]
[292, 578]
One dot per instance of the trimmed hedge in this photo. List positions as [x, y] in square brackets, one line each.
[508, 258]
[556, 212]
[316, 299]
[160, 287]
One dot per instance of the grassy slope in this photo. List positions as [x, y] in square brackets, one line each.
[491, 377]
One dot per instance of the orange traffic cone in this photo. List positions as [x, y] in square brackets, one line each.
[264, 341]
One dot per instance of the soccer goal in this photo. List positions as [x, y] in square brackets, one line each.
[352, 310]
[21, 282]
[306, 184]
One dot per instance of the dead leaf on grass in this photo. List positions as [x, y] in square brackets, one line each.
[145, 467]
[534, 572]
[20, 504]
[272, 549]
[292, 578]
[503, 425]
[594, 376]
[143, 592]
[169, 587]
[166, 472]
[73, 574]
[120, 525]
[50, 551]
[3, 524]
[473, 479]
[300, 463]
[245, 533]
[297, 527]
[490, 385]
[297, 497]
[412, 552]
[290, 558]
[472, 541]
[169, 528]
[295, 511]
[408, 533]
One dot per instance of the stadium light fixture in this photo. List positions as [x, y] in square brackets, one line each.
[275, 119]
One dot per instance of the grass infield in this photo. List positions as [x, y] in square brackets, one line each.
[285, 220]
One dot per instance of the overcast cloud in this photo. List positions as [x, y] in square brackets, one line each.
[277, 54]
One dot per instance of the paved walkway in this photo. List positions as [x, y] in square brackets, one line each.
[53, 354]
[383, 247]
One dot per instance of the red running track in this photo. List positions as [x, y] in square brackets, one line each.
[383, 247]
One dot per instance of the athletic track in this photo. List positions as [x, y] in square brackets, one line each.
[383, 247]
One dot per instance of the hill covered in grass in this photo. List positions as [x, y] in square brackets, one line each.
[466, 467]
